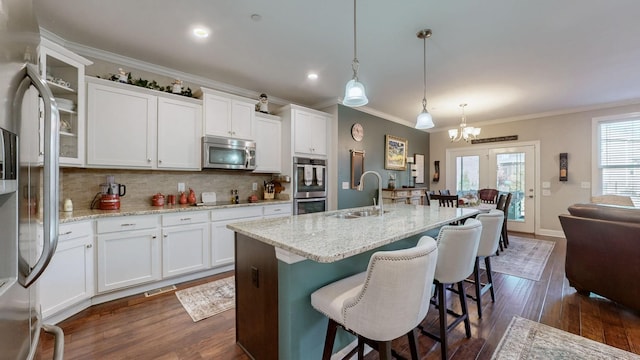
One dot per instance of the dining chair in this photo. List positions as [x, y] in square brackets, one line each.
[457, 251]
[389, 300]
[505, 209]
[446, 200]
[444, 192]
[502, 198]
[488, 196]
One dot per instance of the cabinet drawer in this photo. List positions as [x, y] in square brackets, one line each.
[126, 223]
[402, 193]
[417, 193]
[283, 209]
[184, 218]
[236, 213]
[74, 230]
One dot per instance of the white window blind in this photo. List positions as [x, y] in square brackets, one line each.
[619, 161]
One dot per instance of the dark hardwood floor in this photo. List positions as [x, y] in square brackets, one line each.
[158, 327]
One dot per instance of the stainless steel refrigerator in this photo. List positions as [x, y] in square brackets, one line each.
[28, 187]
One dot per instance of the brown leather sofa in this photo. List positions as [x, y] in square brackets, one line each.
[603, 251]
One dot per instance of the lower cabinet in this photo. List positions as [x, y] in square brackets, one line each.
[223, 239]
[128, 251]
[69, 278]
[185, 243]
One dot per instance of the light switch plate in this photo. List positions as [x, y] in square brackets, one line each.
[180, 187]
[546, 192]
[254, 187]
[585, 185]
[546, 184]
[345, 185]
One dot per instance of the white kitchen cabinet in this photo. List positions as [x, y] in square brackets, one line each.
[310, 133]
[228, 115]
[122, 125]
[277, 210]
[129, 251]
[268, 144]
[69, 278]
[179, 133]
[135, 128]
[185, 243]
[64, 73]
[223, 239]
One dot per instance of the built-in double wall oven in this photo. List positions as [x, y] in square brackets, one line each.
[309, 185]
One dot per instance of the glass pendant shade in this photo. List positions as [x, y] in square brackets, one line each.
[354, 94]
[424, 120]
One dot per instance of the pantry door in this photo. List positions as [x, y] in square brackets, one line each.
[508, 169]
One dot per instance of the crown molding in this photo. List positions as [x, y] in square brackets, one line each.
[156, 69]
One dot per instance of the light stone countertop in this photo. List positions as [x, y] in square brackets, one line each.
[325, 238]
[88, 214]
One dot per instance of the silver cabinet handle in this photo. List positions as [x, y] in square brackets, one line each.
[67, 233]
[185, 219]
[128, 224]
[148, 160]
[89, 246]
[154, 237]
[166, 235]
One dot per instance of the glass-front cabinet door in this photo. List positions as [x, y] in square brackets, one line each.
[64, 73]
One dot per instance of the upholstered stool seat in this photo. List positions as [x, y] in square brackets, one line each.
[457, 251]
[385, 302]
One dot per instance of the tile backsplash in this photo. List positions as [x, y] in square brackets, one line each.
[82, 185]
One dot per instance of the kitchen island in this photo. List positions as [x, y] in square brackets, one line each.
[280, 262]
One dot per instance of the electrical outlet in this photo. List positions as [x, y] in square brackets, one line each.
[254, 187]
[345, 185]
[180, 187]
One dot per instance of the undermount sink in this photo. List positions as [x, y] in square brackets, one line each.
[357, 214]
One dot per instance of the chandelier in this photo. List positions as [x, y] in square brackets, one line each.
[465, 132]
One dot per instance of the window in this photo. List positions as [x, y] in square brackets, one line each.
[618, 161]
[467, 174]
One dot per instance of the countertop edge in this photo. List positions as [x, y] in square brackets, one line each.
[81, 215]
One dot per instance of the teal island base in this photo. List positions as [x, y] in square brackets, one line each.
[274, 316]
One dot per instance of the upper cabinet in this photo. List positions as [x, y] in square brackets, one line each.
[306, 130]
[64, 73]
[268, 143]
[228, 115]
[137, 128]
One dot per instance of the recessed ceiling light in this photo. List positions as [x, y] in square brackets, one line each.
[200, 32]
[312, 76]
[256, 17]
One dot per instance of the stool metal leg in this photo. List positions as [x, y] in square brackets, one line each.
[487, 265]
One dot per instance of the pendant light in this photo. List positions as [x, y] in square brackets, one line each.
[466, 132]
[354, 94]
[424, 120]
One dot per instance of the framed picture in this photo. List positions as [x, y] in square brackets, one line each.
[419, 160]
[395, 153]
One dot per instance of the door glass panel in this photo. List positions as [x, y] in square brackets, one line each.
[467, 175]
[511, 178]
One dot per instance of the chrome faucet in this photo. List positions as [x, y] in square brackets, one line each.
[361, 187]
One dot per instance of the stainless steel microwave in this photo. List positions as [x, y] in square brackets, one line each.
[225, 153]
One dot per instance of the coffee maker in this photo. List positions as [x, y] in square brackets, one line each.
[110, 193]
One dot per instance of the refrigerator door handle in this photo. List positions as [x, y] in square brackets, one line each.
[29, 275]
[58, 347]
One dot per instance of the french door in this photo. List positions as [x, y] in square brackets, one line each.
[509, 169]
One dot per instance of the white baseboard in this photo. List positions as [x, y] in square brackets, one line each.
[552, 233]
[345, 350]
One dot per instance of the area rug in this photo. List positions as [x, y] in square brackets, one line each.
[524, 258]
[208, 299]
[526, 339]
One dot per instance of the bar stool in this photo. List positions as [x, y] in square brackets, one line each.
[457, 250]
[385, 302]
[489, 239]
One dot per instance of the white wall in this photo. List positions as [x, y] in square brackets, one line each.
[570, 133]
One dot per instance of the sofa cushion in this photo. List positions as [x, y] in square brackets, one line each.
[606, 212]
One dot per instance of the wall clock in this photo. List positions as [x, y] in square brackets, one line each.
[357, 132]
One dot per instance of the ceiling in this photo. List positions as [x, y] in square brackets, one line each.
[506, 59]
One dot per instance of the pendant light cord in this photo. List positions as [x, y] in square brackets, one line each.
[424, 59]
[355, 64]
